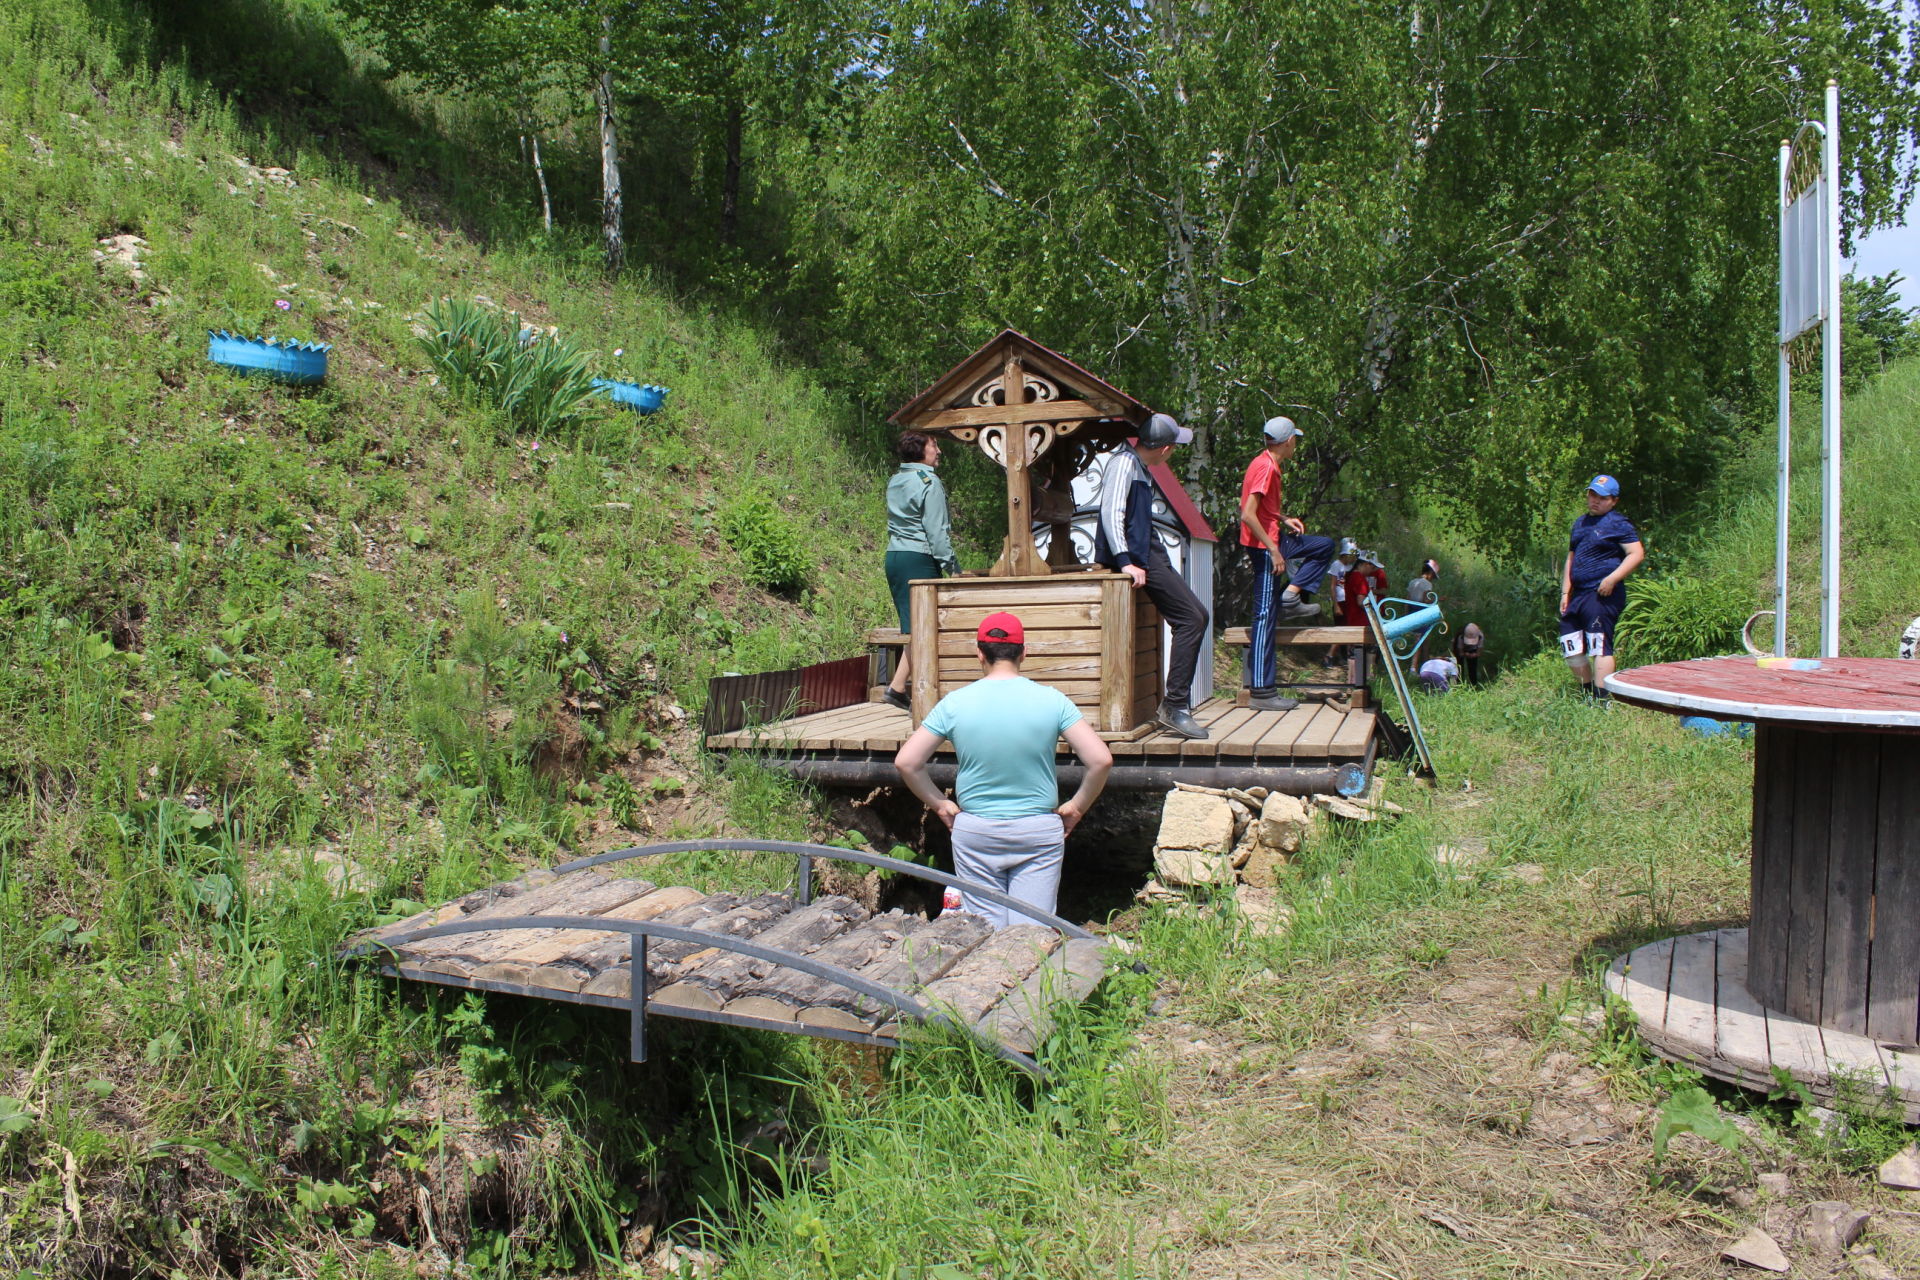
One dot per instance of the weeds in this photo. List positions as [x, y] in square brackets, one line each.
[539, 380]
[1670, 619]
[771, 551]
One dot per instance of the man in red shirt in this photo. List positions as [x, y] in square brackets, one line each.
[1276, 545]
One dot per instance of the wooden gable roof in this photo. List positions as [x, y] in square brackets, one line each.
[955, 400]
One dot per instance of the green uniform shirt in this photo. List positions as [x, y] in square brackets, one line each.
[917, 515]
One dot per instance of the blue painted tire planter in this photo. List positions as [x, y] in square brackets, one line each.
[640, 397]
[1708, 727]
[301, 363]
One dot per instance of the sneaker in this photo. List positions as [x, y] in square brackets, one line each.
[1180, 721]
[1271, 702]
[893, 697]
[1299, 610]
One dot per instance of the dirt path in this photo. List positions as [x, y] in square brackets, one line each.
[1462, 1126]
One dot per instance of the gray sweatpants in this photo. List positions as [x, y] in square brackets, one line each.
[1018, 856]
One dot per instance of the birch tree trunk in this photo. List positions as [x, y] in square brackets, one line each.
[610, 200]
[546, 200]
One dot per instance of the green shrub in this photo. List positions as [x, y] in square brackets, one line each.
[772, 553]
[1672, 619]
[539, 379]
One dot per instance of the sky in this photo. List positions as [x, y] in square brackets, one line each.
[1893, 249]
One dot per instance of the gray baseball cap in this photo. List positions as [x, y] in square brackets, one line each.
[1161, 430]
[1280, 430]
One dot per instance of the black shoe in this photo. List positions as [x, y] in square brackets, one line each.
[1180, 721]
[1271, 702]
[895, 698]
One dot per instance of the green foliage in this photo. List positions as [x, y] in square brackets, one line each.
[1875, 329]
[1693, 1110]
[1478, 275]
[541, 381]
[1683, 616]
[772, 552]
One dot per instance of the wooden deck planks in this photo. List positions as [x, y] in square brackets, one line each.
[1315, 738]
[1732, 1038]
[529, 949]
[1003, 983]
[592, 953]
[1351, 738]
[726, 974]
[1237, 734]
[1690, 987]
[1740, 1028]
[990, 970]
[1218, 726]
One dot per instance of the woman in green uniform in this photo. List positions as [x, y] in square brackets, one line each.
[919, 539]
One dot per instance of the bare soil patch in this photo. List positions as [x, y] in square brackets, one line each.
[1460, 1127]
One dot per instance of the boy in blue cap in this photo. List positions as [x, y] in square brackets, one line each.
[1603, 549]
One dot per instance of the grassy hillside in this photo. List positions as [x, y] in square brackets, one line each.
[258, 642]
[277, 664]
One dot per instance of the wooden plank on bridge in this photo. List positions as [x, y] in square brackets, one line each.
[955, 963]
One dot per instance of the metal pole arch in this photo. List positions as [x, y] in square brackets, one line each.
[1830, 390]
[1786, 420]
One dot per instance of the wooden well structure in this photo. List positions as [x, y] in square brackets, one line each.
[1091, 634]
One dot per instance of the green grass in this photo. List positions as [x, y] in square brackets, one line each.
[253, 633]
[252, 636]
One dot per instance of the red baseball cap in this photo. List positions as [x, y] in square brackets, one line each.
[1000, 628]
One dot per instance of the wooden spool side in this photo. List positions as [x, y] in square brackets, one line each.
[1893, 979]
[1835, 938]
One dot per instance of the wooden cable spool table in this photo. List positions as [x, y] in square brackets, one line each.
[1826, 980]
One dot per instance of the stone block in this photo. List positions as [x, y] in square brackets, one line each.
[1193, 866]
[1263, 865]
[1197, 821]
[1283, 823]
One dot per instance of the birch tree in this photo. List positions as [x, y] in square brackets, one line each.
[1473, 249]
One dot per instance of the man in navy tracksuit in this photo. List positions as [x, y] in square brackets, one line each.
[1125, 541]
[1602, 550]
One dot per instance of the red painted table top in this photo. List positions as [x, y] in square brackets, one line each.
[1866, 693]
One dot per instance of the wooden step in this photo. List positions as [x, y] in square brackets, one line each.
[1303, 635]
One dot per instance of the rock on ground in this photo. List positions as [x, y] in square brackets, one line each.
[123, 251]
[1263, 863]
[1833, 1225]
[1283, 822]
[1193, 866]
[1757, 1249]
[1902, 1169]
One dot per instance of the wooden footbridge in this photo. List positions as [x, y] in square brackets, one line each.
[776, 961]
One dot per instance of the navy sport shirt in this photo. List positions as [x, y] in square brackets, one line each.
[1599, 544]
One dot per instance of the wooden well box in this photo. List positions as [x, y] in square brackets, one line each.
[1093, 636]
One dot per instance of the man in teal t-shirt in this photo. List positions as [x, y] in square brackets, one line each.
[1009, 826]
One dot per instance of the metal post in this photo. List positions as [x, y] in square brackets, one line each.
[1786, 423]
[637, 996]
[805, 894]
[1830, 391]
